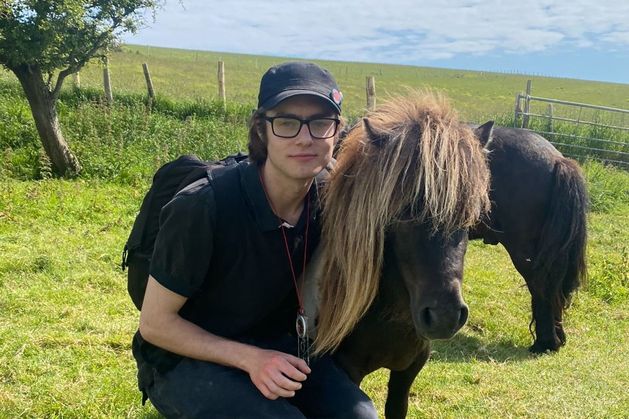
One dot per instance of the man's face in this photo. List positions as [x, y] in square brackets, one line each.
[301, 157]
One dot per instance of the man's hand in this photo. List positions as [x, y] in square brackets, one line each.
[277, 374]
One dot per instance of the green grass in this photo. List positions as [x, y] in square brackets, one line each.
[65, 341]
[186, 108]
[67, 322]
[124, 143]
[186, 74]
[65, 336]
[486, 370]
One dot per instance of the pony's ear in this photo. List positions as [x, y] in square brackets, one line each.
[484, 132]
[375, 137]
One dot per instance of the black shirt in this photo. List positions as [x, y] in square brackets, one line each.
[221, 246]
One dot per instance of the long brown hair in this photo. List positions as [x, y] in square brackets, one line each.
[257, 138]
[411, 156]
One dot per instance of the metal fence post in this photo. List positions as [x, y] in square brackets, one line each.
[551, 125]
[527, 105]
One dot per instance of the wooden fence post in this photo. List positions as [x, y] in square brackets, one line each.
[107, 82]
[527, 105]
[149, 83]
[76, 80]
[221, 82]
[551, 124]
[371, 93]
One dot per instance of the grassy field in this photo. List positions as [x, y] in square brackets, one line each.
[190, 75]
[66, 321]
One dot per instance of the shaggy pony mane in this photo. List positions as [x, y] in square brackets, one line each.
[410, 160]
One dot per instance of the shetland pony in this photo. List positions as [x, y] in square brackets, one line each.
[409, 183]
[538, 213]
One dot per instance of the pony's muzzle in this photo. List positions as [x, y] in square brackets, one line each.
[442, 322]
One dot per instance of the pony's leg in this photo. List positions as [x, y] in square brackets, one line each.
[548, 330]
[549, 334]
[400, 385]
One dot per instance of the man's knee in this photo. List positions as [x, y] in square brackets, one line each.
[198, 389]
[363, 410]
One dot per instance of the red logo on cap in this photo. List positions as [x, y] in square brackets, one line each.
[337, 96]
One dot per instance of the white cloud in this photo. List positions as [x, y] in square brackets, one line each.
[618, 38]
[395, 31]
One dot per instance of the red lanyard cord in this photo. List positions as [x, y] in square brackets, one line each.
[288, 254]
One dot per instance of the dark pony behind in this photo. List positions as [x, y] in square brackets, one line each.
[538, 212]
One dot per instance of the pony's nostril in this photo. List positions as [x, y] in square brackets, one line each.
[427, 317]
[464, 313]
[440, 323]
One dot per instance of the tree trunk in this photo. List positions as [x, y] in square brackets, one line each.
[43, 107]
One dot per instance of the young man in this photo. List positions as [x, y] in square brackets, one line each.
[217, 334]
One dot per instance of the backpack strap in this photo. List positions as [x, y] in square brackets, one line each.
[196, 184]
[231, 160]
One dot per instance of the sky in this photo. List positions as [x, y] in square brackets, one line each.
[582, 39]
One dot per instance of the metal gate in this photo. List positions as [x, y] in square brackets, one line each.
[578, 130]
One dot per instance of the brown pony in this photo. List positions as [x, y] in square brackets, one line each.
[409, 183]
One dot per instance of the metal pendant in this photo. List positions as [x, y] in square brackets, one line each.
[303, 342]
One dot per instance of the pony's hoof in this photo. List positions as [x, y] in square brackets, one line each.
[561, 335]
[540, 347]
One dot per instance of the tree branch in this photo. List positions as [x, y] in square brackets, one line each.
[60, 78]
[100, 43]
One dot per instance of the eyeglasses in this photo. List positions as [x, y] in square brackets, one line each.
[289, 127]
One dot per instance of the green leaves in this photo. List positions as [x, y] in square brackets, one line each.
[41, 38]
[64, 35]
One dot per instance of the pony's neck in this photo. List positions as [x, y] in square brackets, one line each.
[286, 195]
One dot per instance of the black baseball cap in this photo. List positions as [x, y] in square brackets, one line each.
[298, 78]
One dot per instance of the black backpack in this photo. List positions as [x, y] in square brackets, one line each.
[169, 180]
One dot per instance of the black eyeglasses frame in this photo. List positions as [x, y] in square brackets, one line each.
[270, 119]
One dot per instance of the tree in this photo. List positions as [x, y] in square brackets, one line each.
[41, 39]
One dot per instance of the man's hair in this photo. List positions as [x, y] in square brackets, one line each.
[257, 138]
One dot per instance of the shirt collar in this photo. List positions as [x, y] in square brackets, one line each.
[256, 198]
